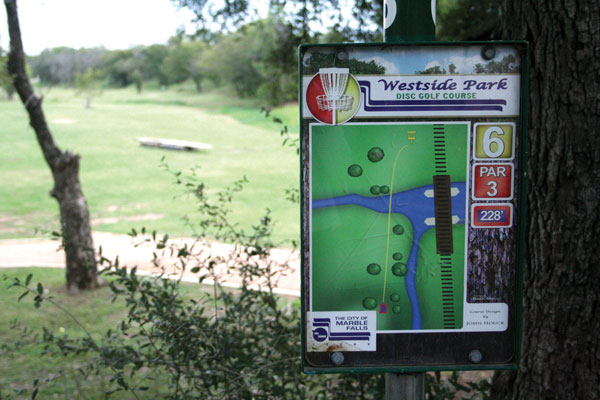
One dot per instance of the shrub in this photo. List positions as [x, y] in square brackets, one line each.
[219, 342]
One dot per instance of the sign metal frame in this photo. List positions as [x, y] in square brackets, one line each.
[342, 361]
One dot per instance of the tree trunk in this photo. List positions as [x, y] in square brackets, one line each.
[10, 93]
[74, 215]
[561, 340]
[198, 82]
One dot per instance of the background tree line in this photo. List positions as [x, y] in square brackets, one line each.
[257, 59]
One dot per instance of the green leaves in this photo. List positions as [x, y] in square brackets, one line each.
[28, 279]
[23, 295]
[35, 389]
[208, 341]
[37, 300]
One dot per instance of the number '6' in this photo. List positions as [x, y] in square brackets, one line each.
[488, 140]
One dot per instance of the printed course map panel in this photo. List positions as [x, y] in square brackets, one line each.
[373, 219]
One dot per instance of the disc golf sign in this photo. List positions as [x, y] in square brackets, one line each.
[412, 205]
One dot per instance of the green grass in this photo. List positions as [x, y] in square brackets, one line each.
[94, 309]
[23, 357]
[122, 181]
[19, 368]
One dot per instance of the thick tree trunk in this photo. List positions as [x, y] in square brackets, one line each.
[74, 215]
[561, 338]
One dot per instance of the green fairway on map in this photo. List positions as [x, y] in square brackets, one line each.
[373, 217]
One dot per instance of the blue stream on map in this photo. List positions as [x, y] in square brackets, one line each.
[417, 207]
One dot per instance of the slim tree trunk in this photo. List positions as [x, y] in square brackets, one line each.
[10, 93]
[198, 82]
[74, 215]
[561, 338]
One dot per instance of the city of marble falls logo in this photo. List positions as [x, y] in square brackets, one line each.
[322, 331]
[333, 96]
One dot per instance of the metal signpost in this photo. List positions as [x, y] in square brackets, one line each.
[413, 199]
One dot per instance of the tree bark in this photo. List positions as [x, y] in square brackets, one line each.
[561, 340]
[74, 215]
[198, 82]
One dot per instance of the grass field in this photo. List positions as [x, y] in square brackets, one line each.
[19, 368]
[23, 358]
[123, 183]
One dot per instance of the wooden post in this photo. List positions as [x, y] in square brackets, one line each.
[405, 386]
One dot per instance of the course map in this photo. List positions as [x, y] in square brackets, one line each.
[373, 215]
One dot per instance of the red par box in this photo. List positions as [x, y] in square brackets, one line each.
[493, 181]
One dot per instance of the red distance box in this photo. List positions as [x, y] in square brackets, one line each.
[492, 215]
[493, 181]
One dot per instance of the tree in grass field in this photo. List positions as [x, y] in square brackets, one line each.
[153, 56]
[185, 60]
[5, 81]
[88, 84]
[64, 165]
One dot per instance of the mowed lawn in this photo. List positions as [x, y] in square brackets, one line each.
[124, 183]
[22, 357]
[22, 352]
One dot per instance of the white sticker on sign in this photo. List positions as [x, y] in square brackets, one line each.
[486, 317]
[341, 331]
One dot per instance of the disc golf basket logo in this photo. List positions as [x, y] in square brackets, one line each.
[334, 81]
[333, 95]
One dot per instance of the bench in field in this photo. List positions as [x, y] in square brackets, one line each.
[173, 144]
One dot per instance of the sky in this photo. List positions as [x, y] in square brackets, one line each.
[114, 24]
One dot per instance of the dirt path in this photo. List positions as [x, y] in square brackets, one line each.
[134, 252]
